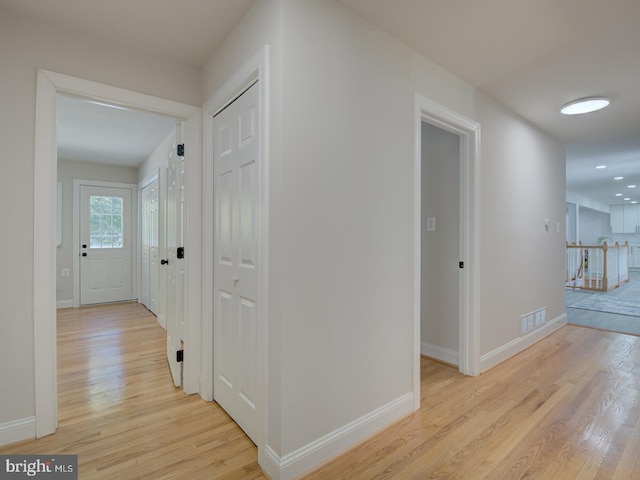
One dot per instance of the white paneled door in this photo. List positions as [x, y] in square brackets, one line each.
[174, 263]
[105, 244]
[236, 260]
[149, 247]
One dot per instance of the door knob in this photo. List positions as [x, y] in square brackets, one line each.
[164, 262]
[84, 254]
[84, 245]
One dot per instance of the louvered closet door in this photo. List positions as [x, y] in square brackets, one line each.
[236, 250]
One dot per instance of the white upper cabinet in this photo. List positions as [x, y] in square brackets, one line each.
[625, 219]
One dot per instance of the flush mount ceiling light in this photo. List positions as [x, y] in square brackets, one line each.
[618, 178]
[600, 167]
[585, 105]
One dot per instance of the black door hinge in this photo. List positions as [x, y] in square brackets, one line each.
[461, 264]
[179, 356]
[181, 150]
[180, 253]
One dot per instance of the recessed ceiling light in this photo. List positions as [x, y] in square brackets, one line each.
[627, 199]
[600, 167]
[634, 201]
[631, 186]
[585, 105]
[618, 194]
[618, 178]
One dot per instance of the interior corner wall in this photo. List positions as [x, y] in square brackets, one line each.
[28, 45]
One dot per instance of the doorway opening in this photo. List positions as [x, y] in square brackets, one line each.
[49, 86]
[440, 245]
[452, 128]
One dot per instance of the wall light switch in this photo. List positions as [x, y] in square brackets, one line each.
[65, 272]
[431, 224]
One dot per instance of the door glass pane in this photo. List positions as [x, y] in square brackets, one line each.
[105, 222]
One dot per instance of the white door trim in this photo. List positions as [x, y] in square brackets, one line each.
[49, 84]
[256, 69]
[76, 233]
[469, 132]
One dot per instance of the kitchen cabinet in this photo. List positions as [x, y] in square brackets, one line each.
[625, 218]
[617, 218]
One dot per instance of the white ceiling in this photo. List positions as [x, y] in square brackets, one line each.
[531, 55]
[92, 132]
[187, 31]
[534, 56]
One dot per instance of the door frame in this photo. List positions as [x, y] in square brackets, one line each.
[49, 85]
[468, 131]
[256, 69]
[135, 268]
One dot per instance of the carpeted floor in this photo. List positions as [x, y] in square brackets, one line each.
[617, 311]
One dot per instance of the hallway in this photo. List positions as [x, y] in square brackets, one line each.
[120, 413]
[565, 408]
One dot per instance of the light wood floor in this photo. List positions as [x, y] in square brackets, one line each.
[567, 408]
[120, 413]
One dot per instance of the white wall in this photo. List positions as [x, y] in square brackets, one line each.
[347, 217]
[158, 158]
[440, 248]
[593, 225]
[26, 46]
[523, 184]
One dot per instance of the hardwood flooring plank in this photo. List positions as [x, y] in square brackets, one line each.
[566, 408]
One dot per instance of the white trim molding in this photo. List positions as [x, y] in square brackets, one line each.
[49, 85]
[64, 303]
[441, 354]
[468, 130]
[499, 355]
[308, 457]
[18, 430]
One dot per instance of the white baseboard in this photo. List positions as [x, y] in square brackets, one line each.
[18, 430]
[442, 354]
[516, 346]
[325, 448]
[64, 303]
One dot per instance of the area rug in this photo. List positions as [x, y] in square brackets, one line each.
[608, 304]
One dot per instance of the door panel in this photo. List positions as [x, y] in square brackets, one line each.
[149, 247]
[175, 267]
[236, 250]
[105, 244]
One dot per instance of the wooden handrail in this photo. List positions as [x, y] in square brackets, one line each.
[587, 277]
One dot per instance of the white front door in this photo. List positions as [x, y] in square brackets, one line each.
[236, 260]
[105, 244]
[173, 263]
